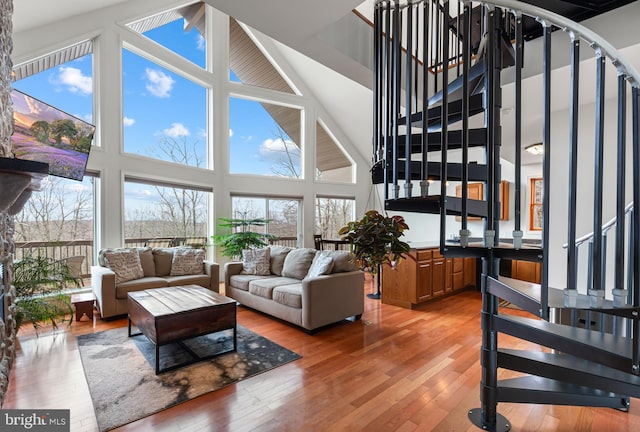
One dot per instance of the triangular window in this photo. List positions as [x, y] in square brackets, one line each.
[180, 30]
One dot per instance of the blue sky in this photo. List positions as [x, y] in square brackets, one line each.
[160, 105]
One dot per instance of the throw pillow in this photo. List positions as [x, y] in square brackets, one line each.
[256, 262]
[342, 261]
[321, 265]
[125, 263]
[278, 254]
[187, 262]
[297, 263]
[146, 260]
[163, 257]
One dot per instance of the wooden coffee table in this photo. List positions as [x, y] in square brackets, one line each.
[174, 314]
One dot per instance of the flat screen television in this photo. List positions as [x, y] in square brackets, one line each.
[44, 133]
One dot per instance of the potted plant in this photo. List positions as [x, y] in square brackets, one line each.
[39, 283]
[375, 240]
[241, 236]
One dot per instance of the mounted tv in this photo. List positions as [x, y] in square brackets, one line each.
[44, 133]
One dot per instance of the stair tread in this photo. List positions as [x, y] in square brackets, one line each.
[556, 297]
[604, 348]
[476, 72]
[476, 172]
[477, 138]
[455, 113]
[549, 385]
[540, 390]
[431, 204]
[569, 364]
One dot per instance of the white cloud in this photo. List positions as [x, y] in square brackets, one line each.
[176, 130]
[126, 121]
[74, 80]
[230, 132]
[158, 83]
[201, 43]
[276, 150]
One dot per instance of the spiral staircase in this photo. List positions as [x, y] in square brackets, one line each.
[441, 70]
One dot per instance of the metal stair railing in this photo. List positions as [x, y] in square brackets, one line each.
[396, 30]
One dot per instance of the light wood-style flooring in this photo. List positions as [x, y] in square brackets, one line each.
[395, 370]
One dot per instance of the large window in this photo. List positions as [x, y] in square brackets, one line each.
[264, 139]
[283, 213]
[155, 210]
[165, 115]
[332, 214]
[58, 221]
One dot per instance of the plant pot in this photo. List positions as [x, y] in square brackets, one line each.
[619, 297]
[596, 298]
[570, 297]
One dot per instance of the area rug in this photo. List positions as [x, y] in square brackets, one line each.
[122, 380]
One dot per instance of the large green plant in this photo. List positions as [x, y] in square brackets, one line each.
[39, 282]
[375, 240]
[241, 236]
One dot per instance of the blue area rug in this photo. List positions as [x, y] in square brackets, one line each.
[122, 380]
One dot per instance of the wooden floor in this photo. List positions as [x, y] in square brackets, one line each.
[396, 370]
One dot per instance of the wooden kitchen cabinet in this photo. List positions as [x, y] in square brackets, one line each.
[425, 275]
[526, 271]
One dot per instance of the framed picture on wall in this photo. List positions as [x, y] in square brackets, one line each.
[535, 204]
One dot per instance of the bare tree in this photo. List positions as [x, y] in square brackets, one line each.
[289, 164]
[182, 210]
[55, 213]
[332, 214]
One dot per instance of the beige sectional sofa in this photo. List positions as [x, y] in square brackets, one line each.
[305, 287]
[124, 270]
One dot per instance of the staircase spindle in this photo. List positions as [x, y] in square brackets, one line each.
[572, 264]
[397, 86]
[635, 226]
[424, 182]
[377, 83]
[408, 81]
[598, 174]
[444, 121]
[437, 46]
[621, 176]
[546, 168]
[489, 123]
[466, 60]
[517, 231]
[388, 144]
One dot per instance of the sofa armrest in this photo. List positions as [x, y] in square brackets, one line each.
[231, 269]
[103, 284]
[212, 269]
[331, 298]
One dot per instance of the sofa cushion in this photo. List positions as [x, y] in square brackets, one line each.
[288, 295]
[187, 262]
[242, 281]
[297, 263]
[146, 261]
[256, 261]
[321, 265]
[163, 258]
[139, 285]
[125, 263]
[264, 287]
[278, 254]
[342, 261]
[197, 279]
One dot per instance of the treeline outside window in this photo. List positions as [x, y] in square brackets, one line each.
[283, 213]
